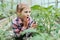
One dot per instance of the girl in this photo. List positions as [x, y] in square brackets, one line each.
[23, 20]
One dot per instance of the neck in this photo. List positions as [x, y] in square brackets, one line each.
[20, 18]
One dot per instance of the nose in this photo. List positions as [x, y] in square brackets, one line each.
[28, 15]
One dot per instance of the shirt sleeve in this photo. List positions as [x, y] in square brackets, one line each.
[32, 21]
[15, 26]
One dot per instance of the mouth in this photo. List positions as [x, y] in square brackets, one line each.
[27, 17]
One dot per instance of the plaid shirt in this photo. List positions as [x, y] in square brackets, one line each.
[17, 24]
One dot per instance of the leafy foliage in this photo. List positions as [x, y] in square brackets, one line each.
[48, 27]
[45, 17]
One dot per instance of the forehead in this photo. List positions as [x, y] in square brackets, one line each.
[27, 9]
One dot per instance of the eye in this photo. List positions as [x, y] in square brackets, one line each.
[26, 11]
[29, 11]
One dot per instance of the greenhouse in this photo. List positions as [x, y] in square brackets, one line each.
[45, 16]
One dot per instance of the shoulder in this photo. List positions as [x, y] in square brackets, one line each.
[14, 20]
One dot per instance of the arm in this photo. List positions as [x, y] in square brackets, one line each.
[34, 25]
[15, 28]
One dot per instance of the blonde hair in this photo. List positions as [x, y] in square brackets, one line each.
[20, 7]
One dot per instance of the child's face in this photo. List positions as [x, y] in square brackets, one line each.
[26, 12]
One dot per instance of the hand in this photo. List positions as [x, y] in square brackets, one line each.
[23, 28]
[16, 30]
[34, 25]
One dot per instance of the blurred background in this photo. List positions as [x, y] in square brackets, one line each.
[45, 12]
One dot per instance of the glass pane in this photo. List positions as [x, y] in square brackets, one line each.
[51, 0]
[58, 5]
[58, 0]
[46, 1]
[52, 4]
[36, 2]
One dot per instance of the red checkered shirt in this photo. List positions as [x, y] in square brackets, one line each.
[17, 24]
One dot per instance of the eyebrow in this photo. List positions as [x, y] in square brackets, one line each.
[27, 11]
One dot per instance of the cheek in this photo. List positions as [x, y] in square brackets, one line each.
[23, 15]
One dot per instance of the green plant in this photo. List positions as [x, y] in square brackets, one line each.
[45, 17]
[48, 26]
